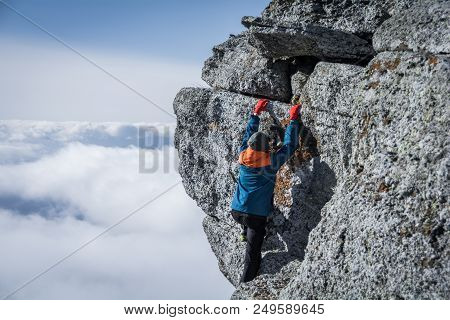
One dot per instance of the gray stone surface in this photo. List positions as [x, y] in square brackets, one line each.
[361, 210]
[360, 17]
[385, 232]
[424, 27]
[267, 286]
[328, 111]
[301, 68]
[329, 30]
[237, 66]
[309, 40]
[298, 81]
[210, 126]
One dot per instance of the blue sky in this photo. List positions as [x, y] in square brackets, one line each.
[156, 47]
[170, 29]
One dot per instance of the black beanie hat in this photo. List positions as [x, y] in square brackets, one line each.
[259, 141]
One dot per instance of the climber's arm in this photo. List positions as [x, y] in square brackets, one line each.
[290, 142]
[252, 127]
[253, 123]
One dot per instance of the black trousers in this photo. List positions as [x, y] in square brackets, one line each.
[256, 230]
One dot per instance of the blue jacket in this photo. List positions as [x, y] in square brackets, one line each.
[255, 186]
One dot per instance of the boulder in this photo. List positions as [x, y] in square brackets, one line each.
[327, 115]
[309, 40]
[329, 30]
[424, 27]
[384, 234]
[353, 16]
[239, 67]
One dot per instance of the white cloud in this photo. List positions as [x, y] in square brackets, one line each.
[116, 266]
[27, 140]
[161, 252]
[52, 83]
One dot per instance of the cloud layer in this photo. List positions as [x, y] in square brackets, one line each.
[56, 199]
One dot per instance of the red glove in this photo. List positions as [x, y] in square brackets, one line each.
[260, 106]
[295, 112]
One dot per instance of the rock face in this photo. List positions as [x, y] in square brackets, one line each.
[425, 27]
[309, 40]
[361, 209]
[237, 66]
[388, 145]
[360, 17]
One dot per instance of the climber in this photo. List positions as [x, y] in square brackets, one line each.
[252, 200]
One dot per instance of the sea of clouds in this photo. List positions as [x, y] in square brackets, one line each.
[64, 183]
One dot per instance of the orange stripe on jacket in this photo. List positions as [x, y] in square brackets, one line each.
[254, 159]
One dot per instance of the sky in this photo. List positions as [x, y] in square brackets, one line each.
[70, 161]
[155, 46]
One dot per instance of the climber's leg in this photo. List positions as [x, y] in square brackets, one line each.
[239, 218]
[255, 237]
[244, 233]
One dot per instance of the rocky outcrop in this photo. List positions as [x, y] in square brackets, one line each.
[358, 17]
[237, 66]
[387, 144]
[361, 210]
[425, 27]
[308, 40]
[210, 126]
[333, 30]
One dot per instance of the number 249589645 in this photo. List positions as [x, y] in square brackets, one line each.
[281, 308]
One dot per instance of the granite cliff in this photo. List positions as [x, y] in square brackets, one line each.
[361, 209]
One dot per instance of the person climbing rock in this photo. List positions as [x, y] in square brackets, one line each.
[252, 200]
